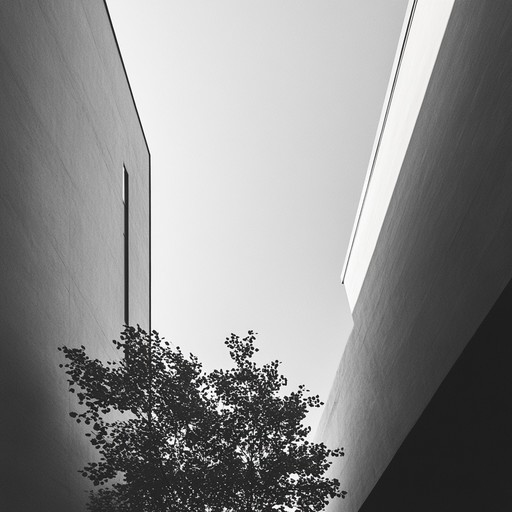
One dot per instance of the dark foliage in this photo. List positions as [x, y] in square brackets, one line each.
[172, 438]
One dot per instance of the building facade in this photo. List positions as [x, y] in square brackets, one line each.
[421, 399]
[74, 233]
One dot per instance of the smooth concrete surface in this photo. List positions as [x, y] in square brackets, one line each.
[422, 37]
[444, 254]
[67, 125]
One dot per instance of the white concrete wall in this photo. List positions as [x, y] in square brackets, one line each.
[67, 125]
[417, 51]
[443, 254]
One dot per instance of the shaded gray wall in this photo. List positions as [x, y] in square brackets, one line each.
[67, 125]
[457, 455]
[444, 253]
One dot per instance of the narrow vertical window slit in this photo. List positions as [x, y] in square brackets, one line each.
[126, 233]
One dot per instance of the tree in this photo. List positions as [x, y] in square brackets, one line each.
[172, 437]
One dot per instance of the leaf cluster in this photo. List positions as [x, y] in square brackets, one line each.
[171, 437]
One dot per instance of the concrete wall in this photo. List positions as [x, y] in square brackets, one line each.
[457, 456]
[67, 126]
[422, 34]
[444, 253]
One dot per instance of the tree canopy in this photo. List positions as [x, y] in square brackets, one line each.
[171, 437]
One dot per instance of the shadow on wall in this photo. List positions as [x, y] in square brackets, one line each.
[457, 456]
[31, 421]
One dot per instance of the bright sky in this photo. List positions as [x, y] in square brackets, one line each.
[260, 117]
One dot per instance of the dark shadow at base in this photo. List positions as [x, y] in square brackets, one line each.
[457, 456]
